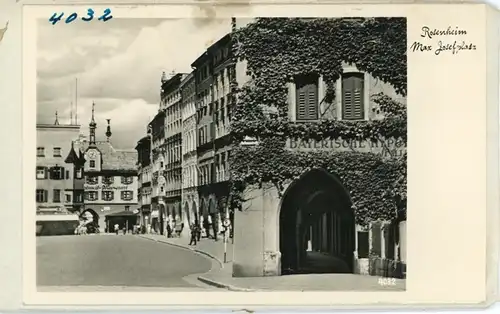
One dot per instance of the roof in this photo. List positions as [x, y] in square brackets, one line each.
[122, 213]
[188, 78]
[113, 159]
[223, 40]
[200, 59]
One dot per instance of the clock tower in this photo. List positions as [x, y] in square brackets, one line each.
[92, 127]
[92, 154]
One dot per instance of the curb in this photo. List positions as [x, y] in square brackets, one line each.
[221, 264]
[205, 280]
[223, 285]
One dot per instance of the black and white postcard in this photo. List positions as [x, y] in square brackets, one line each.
[270, 150]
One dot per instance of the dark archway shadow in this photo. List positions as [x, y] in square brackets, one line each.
[195, 212]
[316, 226]
[187, 213]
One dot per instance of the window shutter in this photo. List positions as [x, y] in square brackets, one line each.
[307, 98]
[67, 174]
[353, 96]
[45, 196]
[45, 172]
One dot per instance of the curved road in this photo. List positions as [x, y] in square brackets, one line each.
[115, 260]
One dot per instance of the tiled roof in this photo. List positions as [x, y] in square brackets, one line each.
[113, 159]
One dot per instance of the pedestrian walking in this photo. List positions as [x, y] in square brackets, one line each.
[117, 227]
[169, 231]
[194, 234]
[206, 227]
[198, 230]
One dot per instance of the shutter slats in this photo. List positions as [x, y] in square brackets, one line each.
[307, 98]
[352, 93]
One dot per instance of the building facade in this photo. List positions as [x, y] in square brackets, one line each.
[56, 168]
[171, 102]
[111, 181]
[205, 145]
[156, 128]
[144, 175]
[223, 72]
[189, 158]
[280, 233]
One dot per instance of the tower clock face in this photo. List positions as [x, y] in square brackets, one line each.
[92, 154]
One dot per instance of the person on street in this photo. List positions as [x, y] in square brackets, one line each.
[198, 230]
[194, 234]
[169, 231]
[117, 227]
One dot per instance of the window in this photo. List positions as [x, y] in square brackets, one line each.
[161, 164]
[127, 180]
[40, 152]
[79, 173]
[57, 196]
[91, 195]
[67, 174]
[68, 198]
[41, 173]
[57, 173]
[41, 196]
[127, 208]
[92, 164]
[353, 96]
[91, 180]
[127, 195]
[108, 180]
[78, 197]
[108, 195]
[57, 152]
[307, 97]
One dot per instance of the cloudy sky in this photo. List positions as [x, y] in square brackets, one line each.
[118, 65]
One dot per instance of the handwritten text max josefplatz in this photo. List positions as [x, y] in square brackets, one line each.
[453, 46]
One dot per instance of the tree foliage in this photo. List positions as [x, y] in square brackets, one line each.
[276, 50]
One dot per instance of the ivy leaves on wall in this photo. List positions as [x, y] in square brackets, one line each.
[277, 50]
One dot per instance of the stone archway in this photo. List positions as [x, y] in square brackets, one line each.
[316, 226]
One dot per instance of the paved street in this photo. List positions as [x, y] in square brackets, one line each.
[117, 261]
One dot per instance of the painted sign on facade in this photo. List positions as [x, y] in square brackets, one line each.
[387, 148]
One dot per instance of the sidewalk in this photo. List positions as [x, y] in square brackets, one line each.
[222, 276]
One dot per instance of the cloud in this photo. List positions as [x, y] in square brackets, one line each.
[118, 66]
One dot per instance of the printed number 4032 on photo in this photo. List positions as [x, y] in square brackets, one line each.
[90, 15]
[383, 281]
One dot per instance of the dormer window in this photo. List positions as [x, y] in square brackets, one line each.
[92, 163]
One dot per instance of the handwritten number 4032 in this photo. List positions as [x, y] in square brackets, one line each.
[90, 16]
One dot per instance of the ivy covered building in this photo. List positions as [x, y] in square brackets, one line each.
[324, 188]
